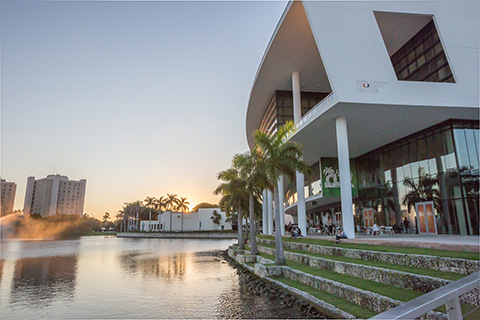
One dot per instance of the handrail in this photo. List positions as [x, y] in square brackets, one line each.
[329, 98]
[448, 295]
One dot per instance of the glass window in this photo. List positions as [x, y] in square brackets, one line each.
[472, 148]
[462, 152]
[406, 161]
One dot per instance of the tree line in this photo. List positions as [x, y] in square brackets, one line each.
[148, 209]
[252, 172]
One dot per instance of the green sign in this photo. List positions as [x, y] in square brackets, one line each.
[331, 177]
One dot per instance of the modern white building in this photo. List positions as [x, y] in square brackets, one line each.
[191, 221]
[385, 97]
[8, 197]
[55, 194]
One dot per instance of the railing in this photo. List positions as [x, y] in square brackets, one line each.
[448, 295]
[312, 112]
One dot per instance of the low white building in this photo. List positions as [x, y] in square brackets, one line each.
[191, 221]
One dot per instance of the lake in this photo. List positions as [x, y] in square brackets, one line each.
[109, 277]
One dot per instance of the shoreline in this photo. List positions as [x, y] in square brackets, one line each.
[178, 235]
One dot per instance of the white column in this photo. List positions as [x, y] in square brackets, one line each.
[297, 100]
[345, 179]
[301, 208]
[281, 204]
[297, 115]
[270, 211]
[264, 212]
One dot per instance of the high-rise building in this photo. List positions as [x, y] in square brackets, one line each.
[8, 197]
[55, 194]
[384, 96]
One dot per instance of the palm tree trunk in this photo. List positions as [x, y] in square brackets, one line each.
[170, 220]
[279, 256]
[182, 221]
[241, 243]
[253, 241]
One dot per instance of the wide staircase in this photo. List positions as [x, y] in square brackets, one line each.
[363, 281]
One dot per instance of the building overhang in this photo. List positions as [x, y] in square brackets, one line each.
[311, 203]
[369, 126]
[291, 48]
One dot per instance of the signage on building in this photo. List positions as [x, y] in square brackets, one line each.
[371, 86]
[331, 177]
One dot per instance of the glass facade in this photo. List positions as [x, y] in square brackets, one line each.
[440, 164]
[280, 108]
[422, 58]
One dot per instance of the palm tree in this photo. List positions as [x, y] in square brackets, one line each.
[160, 205]
[182, 205]
[106, 216]
[234, 195]
[149, 203]
[252, 172]
[281, 157]
[120, 216]
[421, 190]
[216, 217]
[171, 203]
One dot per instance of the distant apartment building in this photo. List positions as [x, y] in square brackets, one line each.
[55, 194]
[8, 197]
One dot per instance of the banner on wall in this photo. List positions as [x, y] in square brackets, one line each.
[331, 177]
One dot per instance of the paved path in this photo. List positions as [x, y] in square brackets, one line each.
[442, 242]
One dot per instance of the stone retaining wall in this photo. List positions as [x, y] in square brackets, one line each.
[371, 300]
[367, 299]
[265, 272]
[462, 266]
[391, 277]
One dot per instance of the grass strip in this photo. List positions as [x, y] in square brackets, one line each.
[379, 264]
[383, 248]
[368, 285]
[354, 309]
[475, 315]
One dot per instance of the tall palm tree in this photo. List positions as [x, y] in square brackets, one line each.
[171, 203]
[252, 172]
[234, 195]
[106, 216]
[281, 157]
[182, 205]
[120, 219]
[149, 203]
[160, 205]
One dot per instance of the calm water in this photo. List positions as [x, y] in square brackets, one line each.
[101, 277]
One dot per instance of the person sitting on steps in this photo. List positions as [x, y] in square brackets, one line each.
[340, 235]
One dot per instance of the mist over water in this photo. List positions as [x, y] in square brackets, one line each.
[21, 226]
[97, 277]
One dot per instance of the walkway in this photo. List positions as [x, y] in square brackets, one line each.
[441, 242]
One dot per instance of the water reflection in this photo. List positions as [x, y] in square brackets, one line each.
[40, 281]
[96, 277]
[167, 267]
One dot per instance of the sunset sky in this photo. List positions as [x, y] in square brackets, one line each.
[139, 98]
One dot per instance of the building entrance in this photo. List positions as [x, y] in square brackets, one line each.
[426, 217]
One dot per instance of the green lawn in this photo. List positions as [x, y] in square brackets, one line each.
[383, 248]
[379, 264]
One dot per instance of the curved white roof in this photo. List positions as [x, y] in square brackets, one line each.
[291, 48]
